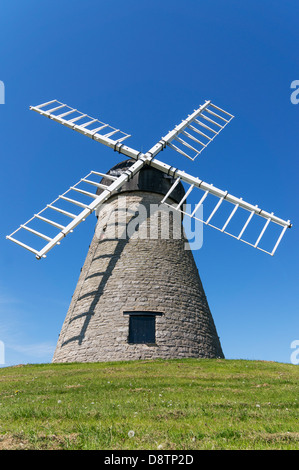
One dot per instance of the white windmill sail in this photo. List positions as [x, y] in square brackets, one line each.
[198, 130]
[189, 138]
[244, 227]
[207, 121]
[67, 211]
[80, 122]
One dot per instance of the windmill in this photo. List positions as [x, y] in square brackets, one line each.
[142, 298]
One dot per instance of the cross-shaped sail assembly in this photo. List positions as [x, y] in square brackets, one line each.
[189, 139]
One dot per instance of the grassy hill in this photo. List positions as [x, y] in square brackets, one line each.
[169, 405]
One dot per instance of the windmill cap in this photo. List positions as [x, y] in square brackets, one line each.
[147, 179]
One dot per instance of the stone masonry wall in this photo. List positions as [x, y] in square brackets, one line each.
[136, 274]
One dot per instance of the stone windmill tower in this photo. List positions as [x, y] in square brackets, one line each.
[139, 294]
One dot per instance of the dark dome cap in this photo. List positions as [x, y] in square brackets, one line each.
[147, 179]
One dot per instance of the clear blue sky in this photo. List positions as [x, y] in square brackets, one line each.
[143, 66]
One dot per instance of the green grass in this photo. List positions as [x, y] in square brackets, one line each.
[170, 405]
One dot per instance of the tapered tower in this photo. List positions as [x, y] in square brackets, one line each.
[139, 294]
